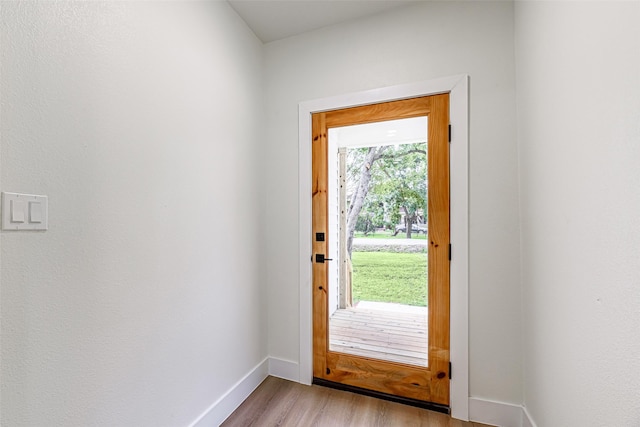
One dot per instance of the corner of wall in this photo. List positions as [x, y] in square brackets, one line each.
[499, 413]
[527, 421]
[495, 413]
[222, 408]
[228, 402]
[285, 369]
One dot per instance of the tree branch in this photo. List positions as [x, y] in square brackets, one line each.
[379, 153]
[395, 156]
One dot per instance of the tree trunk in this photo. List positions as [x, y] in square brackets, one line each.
[357, 201]
[409, 220]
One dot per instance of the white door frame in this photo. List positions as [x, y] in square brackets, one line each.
[458, 89]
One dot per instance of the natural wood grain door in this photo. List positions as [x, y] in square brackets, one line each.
[423, 383]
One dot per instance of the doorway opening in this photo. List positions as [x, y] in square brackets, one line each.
[419, 381]
[378, 228]
[311, 362]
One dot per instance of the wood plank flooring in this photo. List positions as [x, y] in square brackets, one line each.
[390, 332]
[277, 402]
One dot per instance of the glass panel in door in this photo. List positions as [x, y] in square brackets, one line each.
[377, 210]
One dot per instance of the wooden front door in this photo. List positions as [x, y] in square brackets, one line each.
[422, 383]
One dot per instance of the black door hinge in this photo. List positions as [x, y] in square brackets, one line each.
[449, 370]
[449, 133]
[449, 251]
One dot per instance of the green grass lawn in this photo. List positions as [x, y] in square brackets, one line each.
[390, 277]
[389, 235]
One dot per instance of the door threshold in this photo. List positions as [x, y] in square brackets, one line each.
[436, 407]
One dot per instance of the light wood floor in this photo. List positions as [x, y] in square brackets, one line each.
[277, 402]
[392, 332]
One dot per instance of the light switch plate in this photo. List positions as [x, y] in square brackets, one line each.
[24, 212]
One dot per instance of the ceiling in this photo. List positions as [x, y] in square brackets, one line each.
[277, 19]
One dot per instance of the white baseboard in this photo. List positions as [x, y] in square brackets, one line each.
[285, 369]
[527, 421]
[229, 402]
[495, 413]
[225, 405]
[480, 410]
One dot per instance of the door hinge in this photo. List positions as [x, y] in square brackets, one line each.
[449, 251]
[449, 370]
[449, 133]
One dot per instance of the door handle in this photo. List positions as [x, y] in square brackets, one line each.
[321, 259]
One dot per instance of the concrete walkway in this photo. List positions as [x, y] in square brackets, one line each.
[389, 242]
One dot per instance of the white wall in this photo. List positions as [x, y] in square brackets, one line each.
[578, 80]
[424, 41]
[141, 305]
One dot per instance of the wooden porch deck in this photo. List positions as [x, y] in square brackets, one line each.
[391, 332]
